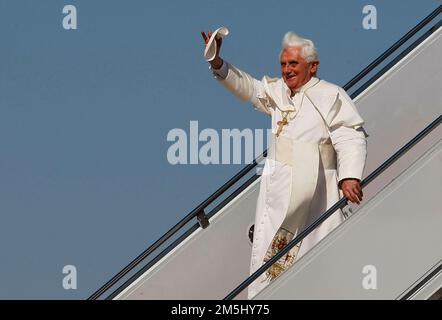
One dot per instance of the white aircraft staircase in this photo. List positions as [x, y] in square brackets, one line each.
[389, 247]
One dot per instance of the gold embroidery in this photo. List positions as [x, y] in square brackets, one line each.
[281, 239]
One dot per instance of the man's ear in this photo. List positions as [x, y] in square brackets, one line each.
[315, 65]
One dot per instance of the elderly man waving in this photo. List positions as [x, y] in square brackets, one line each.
[317, 152]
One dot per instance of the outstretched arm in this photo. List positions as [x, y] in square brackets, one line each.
[240, 83]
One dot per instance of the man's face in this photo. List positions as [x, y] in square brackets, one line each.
[294, 69]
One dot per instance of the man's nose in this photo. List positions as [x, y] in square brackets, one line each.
[285, 69]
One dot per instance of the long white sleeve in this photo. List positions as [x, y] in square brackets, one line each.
[351, 150]
[244, 86]
[348, 138]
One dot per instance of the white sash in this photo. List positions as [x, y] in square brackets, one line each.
[304, 159]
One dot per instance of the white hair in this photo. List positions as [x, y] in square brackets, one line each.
[308, 52]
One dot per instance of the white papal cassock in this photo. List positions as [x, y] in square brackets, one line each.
[322, 144]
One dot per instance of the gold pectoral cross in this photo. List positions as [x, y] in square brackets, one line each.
[281, 124]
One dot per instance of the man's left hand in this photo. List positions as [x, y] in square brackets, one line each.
[352, 190]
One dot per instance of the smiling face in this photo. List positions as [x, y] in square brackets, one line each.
[295, 70]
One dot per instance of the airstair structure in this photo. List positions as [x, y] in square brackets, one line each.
[388, 248]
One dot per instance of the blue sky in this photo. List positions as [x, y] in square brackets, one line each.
[84, 116]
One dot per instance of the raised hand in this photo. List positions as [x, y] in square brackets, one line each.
[217, 62]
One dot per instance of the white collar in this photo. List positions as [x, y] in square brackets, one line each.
[304, 87]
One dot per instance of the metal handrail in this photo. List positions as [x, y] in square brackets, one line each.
[394, 47]
[199, 213]
[338, 205]
[396, 59]
[179, 240]
[422, 283]
[194, 213]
